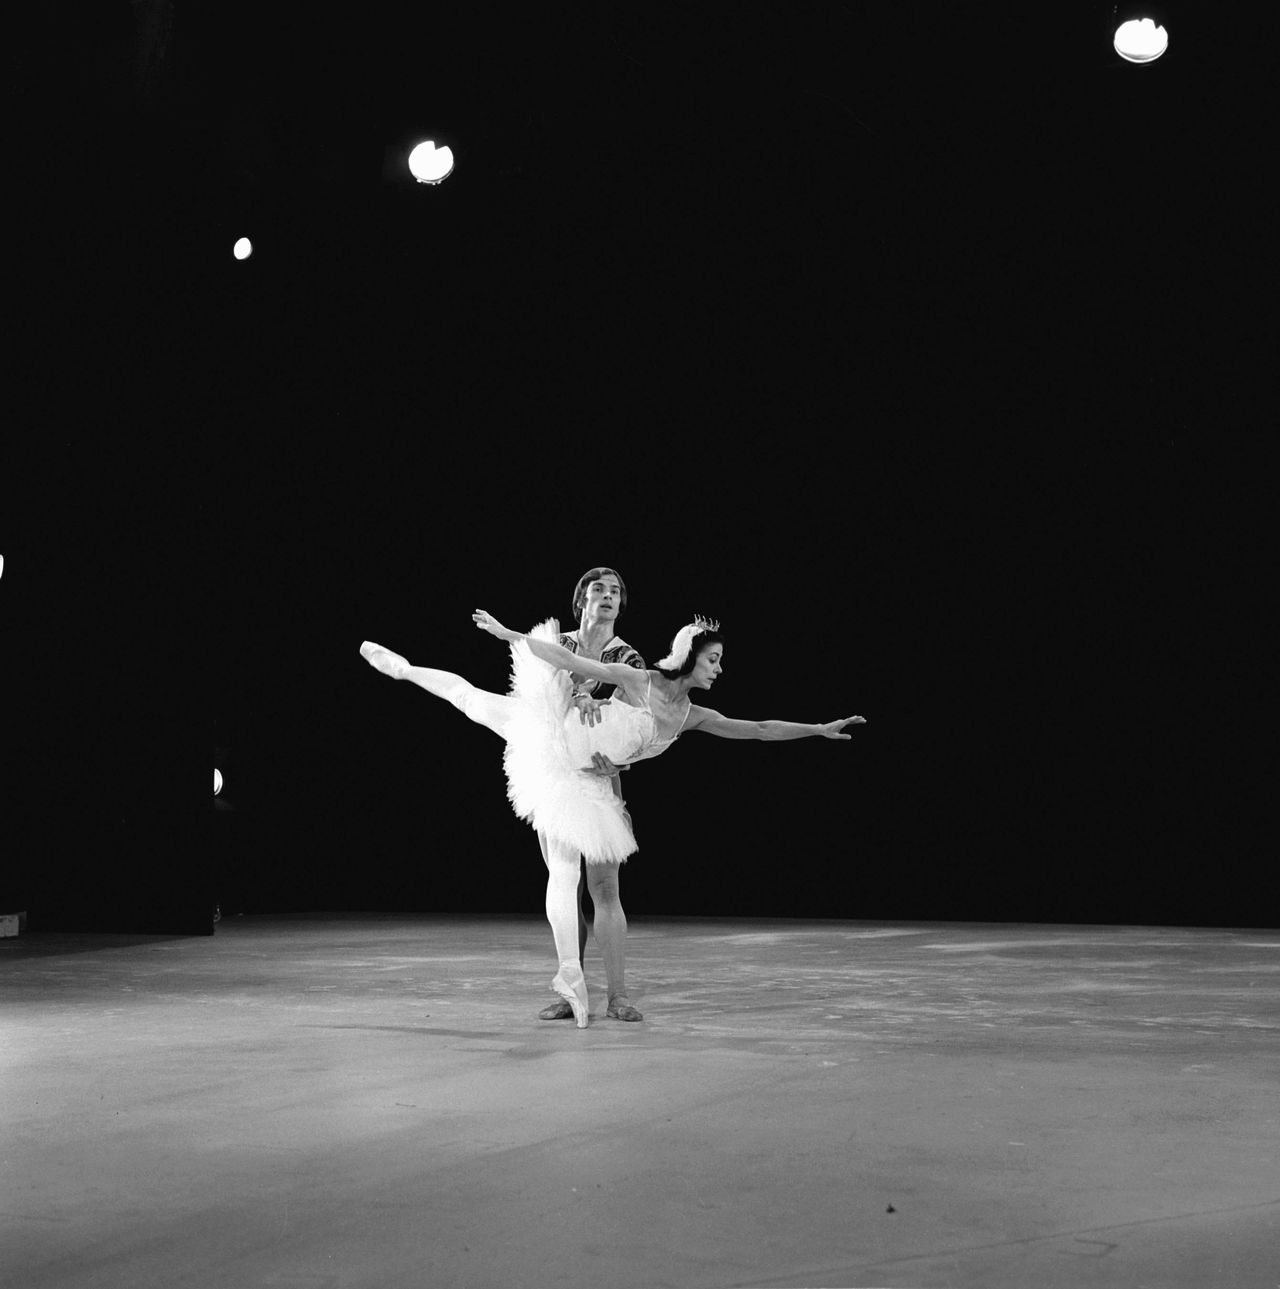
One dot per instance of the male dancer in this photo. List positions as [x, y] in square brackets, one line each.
[599, 596]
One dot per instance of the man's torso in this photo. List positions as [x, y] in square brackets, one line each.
[617, 650]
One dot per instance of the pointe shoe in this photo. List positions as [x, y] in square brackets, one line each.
[383, 660]
[571, 985]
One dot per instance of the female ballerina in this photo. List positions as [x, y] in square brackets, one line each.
[558, 768]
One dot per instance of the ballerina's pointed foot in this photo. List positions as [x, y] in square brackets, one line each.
[571, 985]
[390, 664]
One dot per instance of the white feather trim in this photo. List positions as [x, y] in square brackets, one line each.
[683, 642]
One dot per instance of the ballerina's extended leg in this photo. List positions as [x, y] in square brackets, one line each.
[490, 710]
[495, 712]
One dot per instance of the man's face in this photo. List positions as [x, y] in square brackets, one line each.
[603, 599]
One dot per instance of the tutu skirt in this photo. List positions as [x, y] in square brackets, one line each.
[544, 760]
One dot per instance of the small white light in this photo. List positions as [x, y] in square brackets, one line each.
[429, 164]
[1, 565]
[242, 249]
[1140, 41]
[217, 781]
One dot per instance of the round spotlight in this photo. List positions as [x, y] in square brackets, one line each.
[1140, 41]
[242, 249]
[429, 164]
[217, 781]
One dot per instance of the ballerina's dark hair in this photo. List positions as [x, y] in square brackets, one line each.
[701, 641]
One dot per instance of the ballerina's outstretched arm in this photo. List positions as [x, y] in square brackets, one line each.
[711, 722]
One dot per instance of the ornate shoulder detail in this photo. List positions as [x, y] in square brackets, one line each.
[624, 653]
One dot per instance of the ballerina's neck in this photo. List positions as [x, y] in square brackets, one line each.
[670, 696]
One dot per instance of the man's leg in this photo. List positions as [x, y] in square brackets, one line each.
[611, 936]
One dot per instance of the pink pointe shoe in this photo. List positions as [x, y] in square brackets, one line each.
[390, 664]
[571, 985]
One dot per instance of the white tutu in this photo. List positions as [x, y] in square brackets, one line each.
[545, 756]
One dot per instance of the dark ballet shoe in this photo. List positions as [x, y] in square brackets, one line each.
[556, 1011]
[619, 1010]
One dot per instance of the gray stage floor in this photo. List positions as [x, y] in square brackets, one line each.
[370, 1101]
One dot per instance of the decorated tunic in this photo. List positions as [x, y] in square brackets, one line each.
[617, 650]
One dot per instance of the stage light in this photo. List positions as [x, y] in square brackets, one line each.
[1, 565]
[429, 164]
[217, 781]
[1140, 40]
[242, 249]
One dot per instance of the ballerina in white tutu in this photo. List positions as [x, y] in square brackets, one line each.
[558, 768]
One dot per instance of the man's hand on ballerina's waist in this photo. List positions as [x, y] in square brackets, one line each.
[601, 765]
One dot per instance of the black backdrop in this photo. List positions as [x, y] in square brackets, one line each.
[937, 373]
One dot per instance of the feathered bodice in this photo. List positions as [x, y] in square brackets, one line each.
[625, 734]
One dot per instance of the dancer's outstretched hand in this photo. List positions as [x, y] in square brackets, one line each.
[601, 765]
[487, 622]
[832, 728]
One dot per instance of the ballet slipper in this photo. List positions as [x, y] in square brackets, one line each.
[557, 1011]
[620, 1009]
[390, 664]
[571, 985]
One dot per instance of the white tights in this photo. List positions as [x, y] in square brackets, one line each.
[493, 711]
[562, 898]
